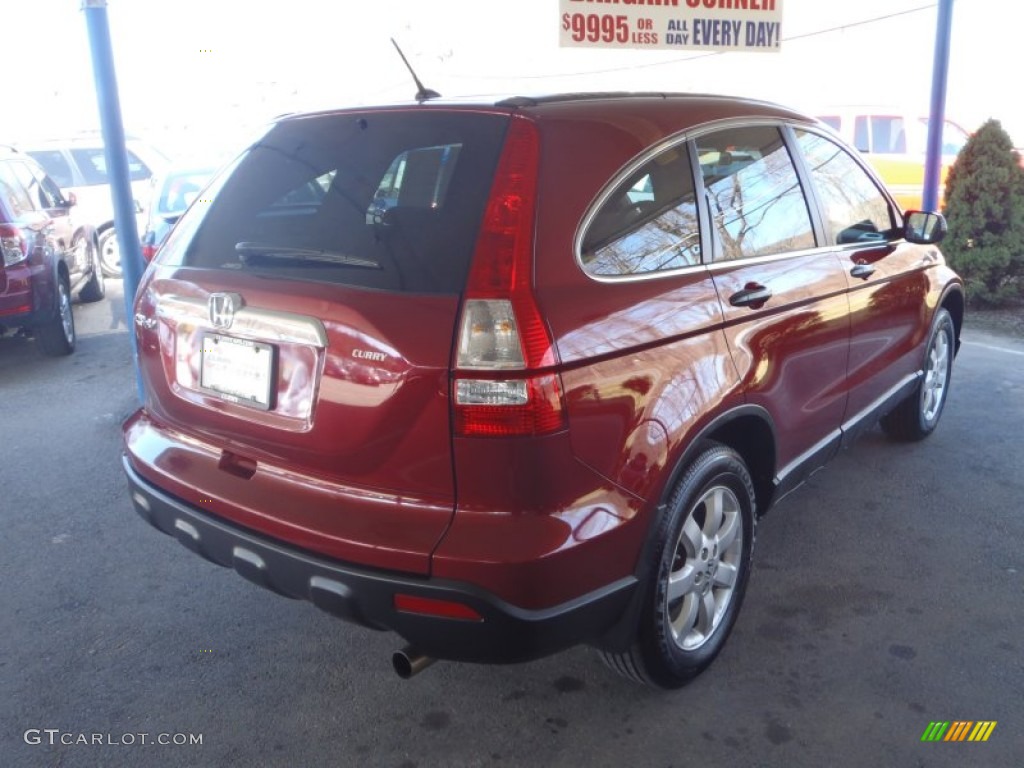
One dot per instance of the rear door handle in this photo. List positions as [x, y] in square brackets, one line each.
[751, 295]
[863, 270]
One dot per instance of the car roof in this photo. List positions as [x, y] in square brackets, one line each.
[616, 100]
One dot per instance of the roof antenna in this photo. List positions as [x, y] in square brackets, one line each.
[423, 93]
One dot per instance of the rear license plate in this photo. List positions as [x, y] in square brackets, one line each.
[238, 370]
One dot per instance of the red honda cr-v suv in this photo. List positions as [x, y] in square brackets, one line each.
[507, 377]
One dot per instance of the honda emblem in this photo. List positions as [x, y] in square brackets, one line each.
[223, 307]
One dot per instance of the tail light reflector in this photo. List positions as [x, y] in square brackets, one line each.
[428, 606]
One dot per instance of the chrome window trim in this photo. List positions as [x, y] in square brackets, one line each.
[249, 322]
[675, 139]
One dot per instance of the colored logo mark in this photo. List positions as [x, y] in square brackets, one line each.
[959, 730]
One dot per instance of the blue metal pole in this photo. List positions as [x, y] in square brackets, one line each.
[940, 70]
[117, 163]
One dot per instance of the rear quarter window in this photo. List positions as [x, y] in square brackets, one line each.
[648, 223]
[388, 200]
[14, 192]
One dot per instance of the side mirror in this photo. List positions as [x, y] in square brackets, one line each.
[69, 200]
[924, 228]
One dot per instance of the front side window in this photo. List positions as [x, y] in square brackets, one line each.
[756, 202]
[953, 136]
[649, 223]
[856, 210]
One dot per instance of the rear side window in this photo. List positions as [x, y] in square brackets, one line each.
[56, 166]
[648, 223]
[856, 210]
[39, 195]
[756, 201]
[389, 200]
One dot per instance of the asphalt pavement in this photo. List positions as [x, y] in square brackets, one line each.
[888, 593]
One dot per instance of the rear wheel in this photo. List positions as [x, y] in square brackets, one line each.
[110, 253]
[57, 335]
[96, 288]
[917, 416]
[705, 542]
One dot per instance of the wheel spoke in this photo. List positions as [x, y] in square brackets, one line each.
[929, 401]
[706, 613]
[691, 538]
[726, 575]
[713, 512]
[680, 583]
[727, 535]
[684, 622]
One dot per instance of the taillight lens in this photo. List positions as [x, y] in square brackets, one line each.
[509, 407]
[12, 245]
[503, 383]
[490, 336]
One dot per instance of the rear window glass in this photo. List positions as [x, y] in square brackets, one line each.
[389, 200]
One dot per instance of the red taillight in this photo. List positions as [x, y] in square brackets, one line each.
[501, 387]
[13, 248]
[428, 606]
[148, 252]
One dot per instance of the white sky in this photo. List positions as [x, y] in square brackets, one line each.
[196, 72]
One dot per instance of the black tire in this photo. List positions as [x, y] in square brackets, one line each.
[96, 288]
[679, 635]
[918, 414]
[57, 335]
[110, 253]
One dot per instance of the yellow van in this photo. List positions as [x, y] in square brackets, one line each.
[894, 143]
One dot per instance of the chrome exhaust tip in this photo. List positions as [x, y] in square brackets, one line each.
[409, 661]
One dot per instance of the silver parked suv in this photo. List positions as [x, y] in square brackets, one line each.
[79, 166]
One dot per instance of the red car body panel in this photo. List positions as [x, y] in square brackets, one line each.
[357, 460]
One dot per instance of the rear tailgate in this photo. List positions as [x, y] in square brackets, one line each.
[296, 333]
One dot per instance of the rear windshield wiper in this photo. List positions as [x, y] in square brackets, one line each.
[247, 251]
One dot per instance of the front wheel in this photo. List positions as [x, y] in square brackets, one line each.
[918, 414]
[110, 253]
[704, 545]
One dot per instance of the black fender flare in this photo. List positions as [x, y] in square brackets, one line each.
[619, 637]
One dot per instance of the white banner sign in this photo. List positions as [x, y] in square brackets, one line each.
[672, 25]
